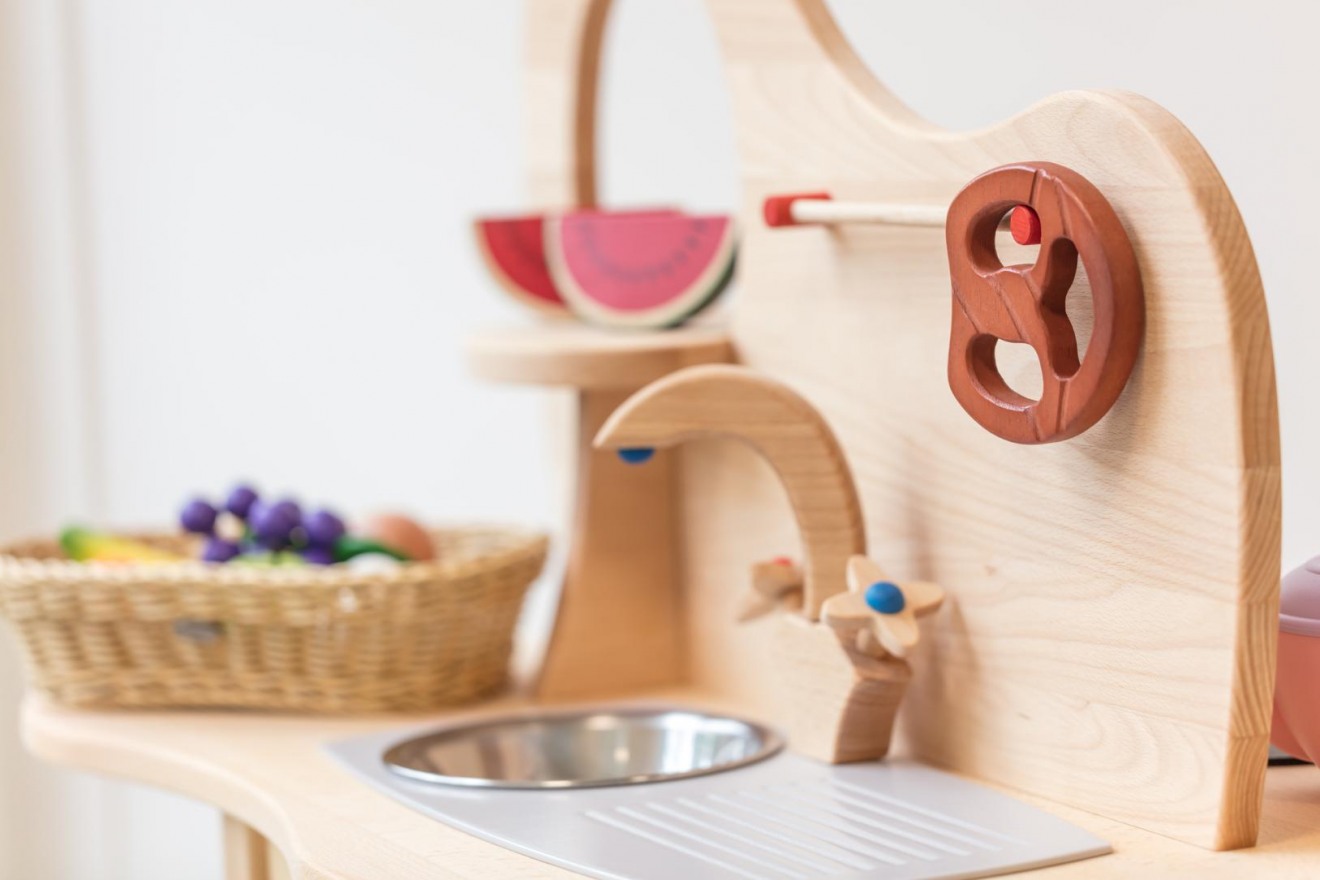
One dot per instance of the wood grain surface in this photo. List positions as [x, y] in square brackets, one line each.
[269, 773]
[1109, 636]
[1110, 632]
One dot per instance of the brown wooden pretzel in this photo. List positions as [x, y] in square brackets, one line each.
[1025, 303]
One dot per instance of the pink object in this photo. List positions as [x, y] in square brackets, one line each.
[640, 270]
[1296, 727]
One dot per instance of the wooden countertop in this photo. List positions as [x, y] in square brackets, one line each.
[269, 772]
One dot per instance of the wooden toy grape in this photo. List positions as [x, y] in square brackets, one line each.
[280, 533]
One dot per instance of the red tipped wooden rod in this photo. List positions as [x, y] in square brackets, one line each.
[795, 209]
[778, 210]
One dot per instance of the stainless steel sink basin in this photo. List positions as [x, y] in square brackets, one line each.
[583, 749]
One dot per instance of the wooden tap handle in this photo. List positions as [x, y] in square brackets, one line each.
[1025, 303]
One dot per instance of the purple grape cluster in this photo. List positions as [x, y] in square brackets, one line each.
[274, 527]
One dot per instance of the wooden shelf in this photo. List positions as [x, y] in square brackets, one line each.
[269, 773]
[579, 356]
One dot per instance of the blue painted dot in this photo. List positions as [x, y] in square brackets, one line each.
[637, 454]
[885, 597]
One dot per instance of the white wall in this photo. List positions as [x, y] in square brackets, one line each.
[248, 216]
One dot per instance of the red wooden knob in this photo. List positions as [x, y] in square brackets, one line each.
[1024, 223]
[778, 210]
[1025, 304]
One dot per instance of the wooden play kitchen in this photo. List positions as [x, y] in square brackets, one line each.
[851, 509]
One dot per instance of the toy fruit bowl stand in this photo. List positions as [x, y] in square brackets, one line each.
[312, 638]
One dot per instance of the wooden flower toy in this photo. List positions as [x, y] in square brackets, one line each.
[879, 614]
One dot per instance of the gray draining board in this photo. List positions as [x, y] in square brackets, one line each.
[786, 818]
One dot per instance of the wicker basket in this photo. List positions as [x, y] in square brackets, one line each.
[321, 640]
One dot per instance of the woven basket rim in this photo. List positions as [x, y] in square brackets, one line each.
[510, 543]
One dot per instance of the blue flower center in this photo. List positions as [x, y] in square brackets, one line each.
[885, 597]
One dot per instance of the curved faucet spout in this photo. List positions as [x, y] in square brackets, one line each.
[778, 423]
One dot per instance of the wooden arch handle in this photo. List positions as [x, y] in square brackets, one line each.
[993, 302]
[787, 431]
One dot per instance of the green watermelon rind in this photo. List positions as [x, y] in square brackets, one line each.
[589, 310]
[721, 284]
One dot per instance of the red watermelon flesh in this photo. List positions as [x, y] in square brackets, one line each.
[514, 250]
[640, 271]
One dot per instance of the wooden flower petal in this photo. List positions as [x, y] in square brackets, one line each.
[862, 572]
[846, 609]
[896, 633]
[923, 597]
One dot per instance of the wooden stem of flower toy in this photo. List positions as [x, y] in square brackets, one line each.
[839, 704]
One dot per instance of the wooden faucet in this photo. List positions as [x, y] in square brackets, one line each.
[845, 675]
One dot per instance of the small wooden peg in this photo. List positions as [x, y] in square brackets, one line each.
[1024, 223]
[772, 582]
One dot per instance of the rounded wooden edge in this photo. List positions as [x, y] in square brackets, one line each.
[52, 733]
[173, 750]
[381, 837]
[580, 356]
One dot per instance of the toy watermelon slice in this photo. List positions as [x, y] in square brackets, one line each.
[514, 251]
[639, 271]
